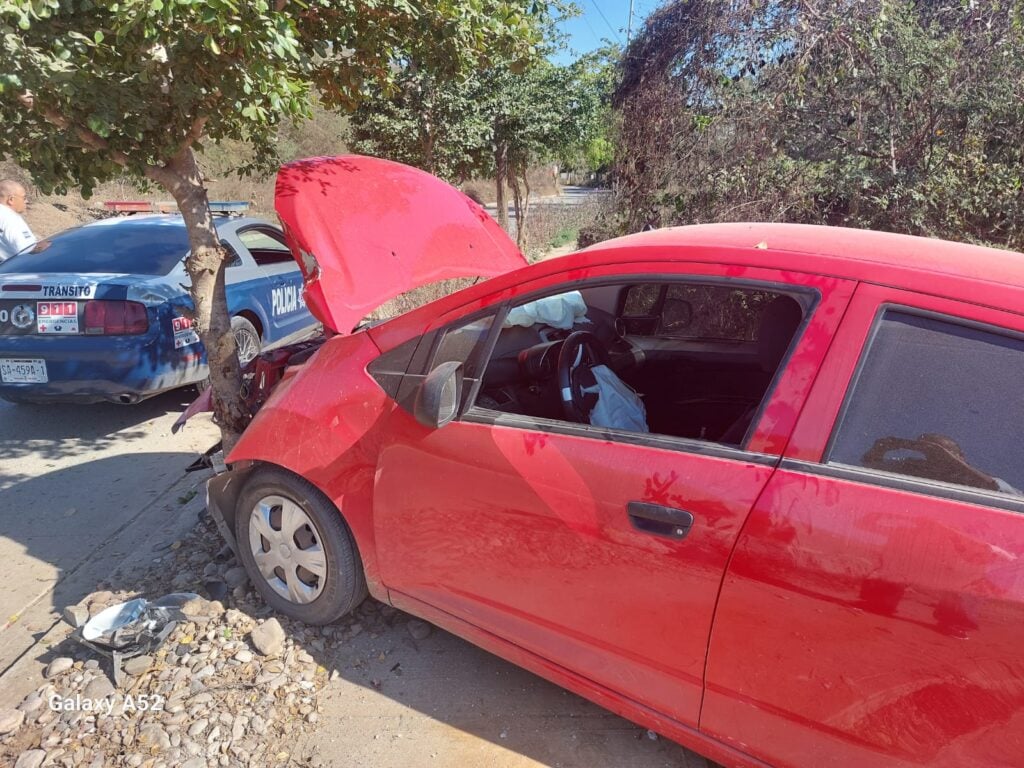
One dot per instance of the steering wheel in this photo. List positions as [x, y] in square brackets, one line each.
[580, 352]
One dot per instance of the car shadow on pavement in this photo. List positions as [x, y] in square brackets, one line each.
[54, 431]
[64, 531]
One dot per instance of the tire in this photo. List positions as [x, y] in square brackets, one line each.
[334, 582]
[246, 336]
[247, 339]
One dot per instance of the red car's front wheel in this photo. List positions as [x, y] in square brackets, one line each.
[297, 548]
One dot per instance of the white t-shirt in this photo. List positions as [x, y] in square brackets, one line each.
[15, 236]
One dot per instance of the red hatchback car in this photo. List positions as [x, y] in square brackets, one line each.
[756, 487]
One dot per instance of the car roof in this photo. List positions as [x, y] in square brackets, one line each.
[971, 273]
[164, 219]
[839, 251]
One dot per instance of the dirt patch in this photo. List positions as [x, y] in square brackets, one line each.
[543, 182]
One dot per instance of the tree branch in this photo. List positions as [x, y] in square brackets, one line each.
[196, 131]
[93, 140]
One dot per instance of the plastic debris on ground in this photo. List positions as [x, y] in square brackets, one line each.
[133, 628]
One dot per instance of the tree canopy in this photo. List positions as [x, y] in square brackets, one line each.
[890, 114]
[92, 89]
[496, 122]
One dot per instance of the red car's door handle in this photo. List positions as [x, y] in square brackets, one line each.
[659, 520]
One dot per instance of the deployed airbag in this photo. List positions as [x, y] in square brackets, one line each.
[562, 311]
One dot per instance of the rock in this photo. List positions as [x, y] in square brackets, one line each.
[208, 671]
[32, 703]
[198, 727]
[76, 615]
[194, 762]
[210, 570]
[419, 630]
[100, 598]
[11, 720]
[58, 665]
[259, 725]
[137, 665]
[31, 759]
[154, 736]
[268, 638]
[244, 656]
[183, 580]
[236, 577]
[99, 688]
[216, 589]
[198, 608]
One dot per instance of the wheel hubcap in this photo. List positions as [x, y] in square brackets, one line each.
[248, 347]
[287, 549]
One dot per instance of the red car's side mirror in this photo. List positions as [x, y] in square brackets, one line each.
[438, 398]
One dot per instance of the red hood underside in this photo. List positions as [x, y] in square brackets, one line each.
[366, 230]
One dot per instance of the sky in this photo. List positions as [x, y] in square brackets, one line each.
[600, 20]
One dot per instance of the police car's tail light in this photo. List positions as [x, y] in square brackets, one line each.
[110, 318]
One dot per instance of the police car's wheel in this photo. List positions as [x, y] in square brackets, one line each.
[297, 548]
[247, 339]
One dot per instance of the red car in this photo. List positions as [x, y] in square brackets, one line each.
[756, 487]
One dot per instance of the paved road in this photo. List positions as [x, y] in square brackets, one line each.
[79, 487]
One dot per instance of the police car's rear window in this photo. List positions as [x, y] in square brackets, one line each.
[129, 247]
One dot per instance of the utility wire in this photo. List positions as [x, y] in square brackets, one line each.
[598, 9]
[591, 27]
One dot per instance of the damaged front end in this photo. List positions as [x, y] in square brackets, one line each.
[363, 231]
[260, 378]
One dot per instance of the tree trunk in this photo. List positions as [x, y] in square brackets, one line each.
[206, 268]
[517, 206]
[500, 176]
[524, 215]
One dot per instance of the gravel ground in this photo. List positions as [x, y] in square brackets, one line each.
[230, 686]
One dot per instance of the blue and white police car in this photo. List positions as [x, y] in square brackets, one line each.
[100, 312]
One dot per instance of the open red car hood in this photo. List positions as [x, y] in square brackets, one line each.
[365, 230]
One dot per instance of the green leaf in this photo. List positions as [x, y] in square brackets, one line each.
[98, 125]
[98, 37]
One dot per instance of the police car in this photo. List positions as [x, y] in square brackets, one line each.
[101, 312]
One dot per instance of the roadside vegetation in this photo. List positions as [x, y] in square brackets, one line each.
[497, 122]
[885, 114]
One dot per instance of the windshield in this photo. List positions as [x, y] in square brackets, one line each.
[142, 247]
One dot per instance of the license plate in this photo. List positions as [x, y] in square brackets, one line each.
[57, 317]
[31, 371]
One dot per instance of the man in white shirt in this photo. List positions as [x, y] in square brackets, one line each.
[15, 235]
